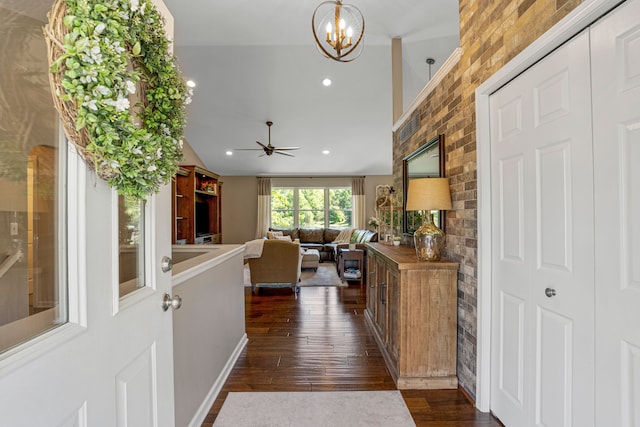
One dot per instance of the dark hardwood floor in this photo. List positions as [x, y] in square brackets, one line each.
[320, 342]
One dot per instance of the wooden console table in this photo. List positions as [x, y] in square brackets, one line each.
[412, 311]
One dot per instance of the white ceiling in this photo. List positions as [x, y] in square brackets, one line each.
[255, 61]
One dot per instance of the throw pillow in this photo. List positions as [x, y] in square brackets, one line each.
[344, 236]
[293, 232]
[273, 234]
[330, 234]
[287, 238]
[355, 237]
[311, 235]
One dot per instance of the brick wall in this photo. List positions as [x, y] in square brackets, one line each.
[491, 33]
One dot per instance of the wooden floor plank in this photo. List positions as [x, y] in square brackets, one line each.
[319, 341]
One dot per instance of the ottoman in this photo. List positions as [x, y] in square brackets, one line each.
[310, 259]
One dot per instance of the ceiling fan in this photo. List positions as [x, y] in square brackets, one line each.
[270, 149]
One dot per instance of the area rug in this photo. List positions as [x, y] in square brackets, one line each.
[311, 409]
[325, 276]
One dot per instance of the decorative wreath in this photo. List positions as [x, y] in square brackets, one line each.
[118, 90]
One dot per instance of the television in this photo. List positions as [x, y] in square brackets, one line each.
[202, 218]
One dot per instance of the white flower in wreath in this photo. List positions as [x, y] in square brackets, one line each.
[122, 104]
[131, 87]
[102, 90]
[91, 104]
[117, 48]
[134, 5]
[99, 29]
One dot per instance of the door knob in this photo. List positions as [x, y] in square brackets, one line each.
[550, 292]
[168, 302]
[166, 264]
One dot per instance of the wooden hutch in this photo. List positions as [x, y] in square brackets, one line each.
[196, 206]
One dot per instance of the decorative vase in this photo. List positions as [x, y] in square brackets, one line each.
[428, 240]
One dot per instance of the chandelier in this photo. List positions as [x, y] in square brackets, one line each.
[338, 30]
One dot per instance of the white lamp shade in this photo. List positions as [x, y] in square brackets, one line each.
[427, 194]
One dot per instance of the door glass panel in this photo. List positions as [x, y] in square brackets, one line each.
[131, 244]
[33, 282]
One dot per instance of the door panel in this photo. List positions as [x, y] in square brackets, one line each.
[511, 365]
[135, 405]
[553, 171]
[541, 155]
[512, 209]
[616, 103]
[554, 368]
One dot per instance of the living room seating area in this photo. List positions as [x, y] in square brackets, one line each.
[325, 240]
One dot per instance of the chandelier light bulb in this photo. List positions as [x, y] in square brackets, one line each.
[349, 32]
[342, 24]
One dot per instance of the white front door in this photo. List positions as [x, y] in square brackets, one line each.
[616, 110]
[542, 243]
[112, 363]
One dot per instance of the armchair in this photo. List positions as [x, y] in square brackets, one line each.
[280, 262]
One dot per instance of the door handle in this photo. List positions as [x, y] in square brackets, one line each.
[169, 302]
[383, 293]
[550, 292]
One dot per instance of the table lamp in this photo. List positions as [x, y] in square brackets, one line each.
[427, 194]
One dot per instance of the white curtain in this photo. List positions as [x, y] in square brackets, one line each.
[359, 209]
[264, 207]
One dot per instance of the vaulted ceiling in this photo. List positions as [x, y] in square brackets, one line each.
[255, 61]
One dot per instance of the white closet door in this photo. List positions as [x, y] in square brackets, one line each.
[542, 243]
[616, 112]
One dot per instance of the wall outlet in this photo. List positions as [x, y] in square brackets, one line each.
[14, 228]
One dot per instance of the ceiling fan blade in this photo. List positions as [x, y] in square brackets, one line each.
[287, 148]
[262, 145]
[249, 149]
[284, 154]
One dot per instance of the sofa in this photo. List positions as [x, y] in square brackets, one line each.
[322, 239]
[280, 262]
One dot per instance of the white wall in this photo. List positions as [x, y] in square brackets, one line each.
[208, 332]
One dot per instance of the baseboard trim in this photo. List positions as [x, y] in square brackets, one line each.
[467, 395]
[203, 410]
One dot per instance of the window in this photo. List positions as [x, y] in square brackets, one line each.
[131, 243]
[311, 207]
[33, 280]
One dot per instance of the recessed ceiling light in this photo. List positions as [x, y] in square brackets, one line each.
[229, 153]
[326, 81]
[326, 151]
[191, 83]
